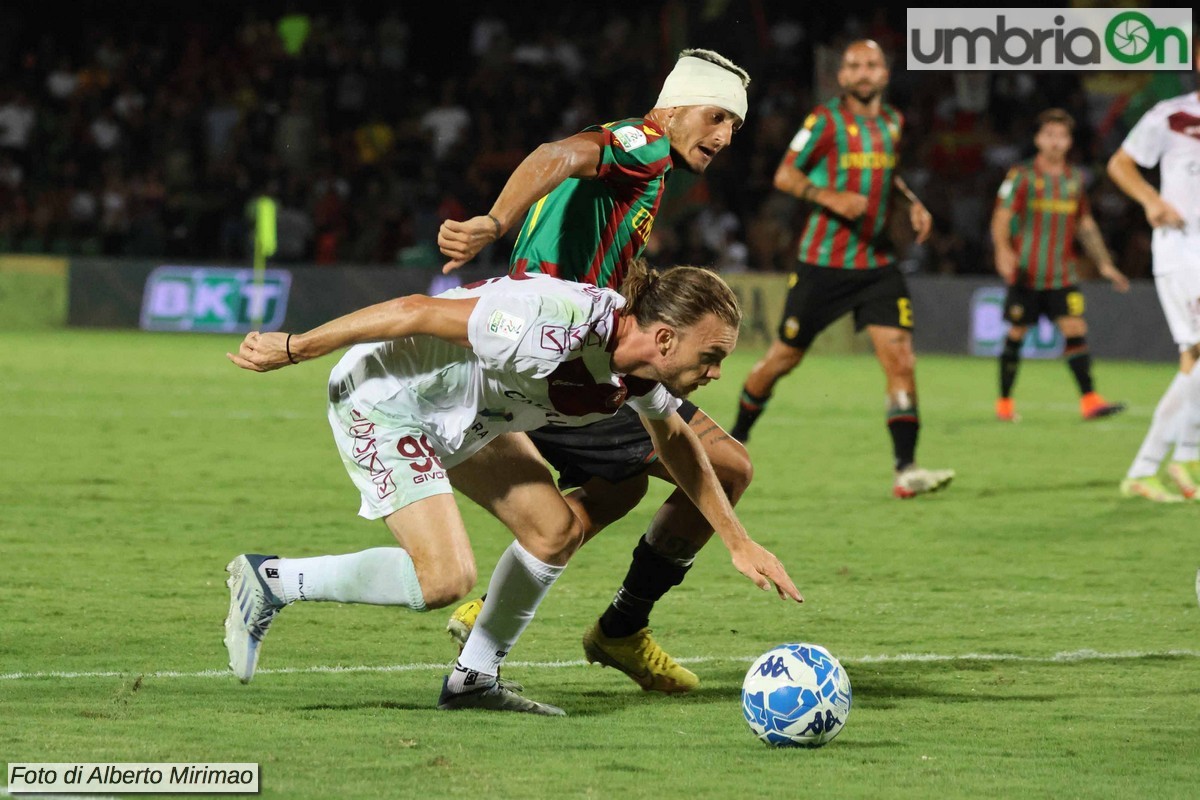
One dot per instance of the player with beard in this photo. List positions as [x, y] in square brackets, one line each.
[843, 161]
[586, 205]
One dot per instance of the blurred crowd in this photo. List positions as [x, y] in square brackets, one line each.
[141, 137]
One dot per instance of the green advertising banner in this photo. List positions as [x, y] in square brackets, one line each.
[214, 299]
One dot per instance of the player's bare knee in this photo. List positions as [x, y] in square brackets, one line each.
[556, 542]
[446, 584]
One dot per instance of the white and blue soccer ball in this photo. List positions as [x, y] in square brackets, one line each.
[796, 695]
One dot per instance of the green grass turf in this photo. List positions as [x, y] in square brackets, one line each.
[1063, 619]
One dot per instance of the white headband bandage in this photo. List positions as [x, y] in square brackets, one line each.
[697, 82]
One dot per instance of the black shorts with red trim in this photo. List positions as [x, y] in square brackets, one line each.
[819, 296]
[614, 449]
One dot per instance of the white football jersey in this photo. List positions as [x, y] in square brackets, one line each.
[1168, 136]
[541, 354]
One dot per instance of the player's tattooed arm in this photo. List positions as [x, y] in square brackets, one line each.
[919, 216]
[1093, 244]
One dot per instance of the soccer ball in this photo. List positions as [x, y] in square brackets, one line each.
[796, 695]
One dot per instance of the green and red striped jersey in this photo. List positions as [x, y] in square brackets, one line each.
[849, 153]
[589, 230]
[1046, 212]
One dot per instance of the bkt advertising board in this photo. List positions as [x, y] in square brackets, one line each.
[214, 299]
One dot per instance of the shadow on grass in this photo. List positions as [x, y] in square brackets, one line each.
[877, 687]
[1048, 488]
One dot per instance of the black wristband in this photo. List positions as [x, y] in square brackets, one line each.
[287, 345]
[495, 222]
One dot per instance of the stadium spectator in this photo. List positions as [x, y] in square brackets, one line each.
[597, 196]
[843, 161]
[663, 339]
[18, 121]
[1041, 208]
[1167, 137]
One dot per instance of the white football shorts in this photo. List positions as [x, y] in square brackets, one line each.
[393, 465]
[1179, 294]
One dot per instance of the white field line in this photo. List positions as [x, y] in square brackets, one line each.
[1058, 658]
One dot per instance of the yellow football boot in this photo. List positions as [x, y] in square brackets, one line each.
[462, 620]
[639, 657]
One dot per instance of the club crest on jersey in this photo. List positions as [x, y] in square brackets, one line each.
[615, 399]
[631, 138]
[506, 325]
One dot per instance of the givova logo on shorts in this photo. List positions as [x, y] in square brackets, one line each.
[215, 299]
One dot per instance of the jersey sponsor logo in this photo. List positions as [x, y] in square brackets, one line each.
[1055, 206]
[631, 138]
[867, 160]
[506, 325]
[642, 222]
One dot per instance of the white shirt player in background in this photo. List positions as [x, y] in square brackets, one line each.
[1168, 136]
[428, 382]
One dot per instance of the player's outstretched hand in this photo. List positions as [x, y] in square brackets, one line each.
[761, 566]
[462, 241]
[261, 352]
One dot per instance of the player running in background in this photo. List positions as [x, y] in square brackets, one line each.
[1040, 208]
[588, 203]
[843, 161]
[429, 386]
[1168, 137]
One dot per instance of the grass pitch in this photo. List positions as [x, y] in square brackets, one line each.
[1025, 633]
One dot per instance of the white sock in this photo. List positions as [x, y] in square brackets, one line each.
[1187, 442]
[1163, 428]
[518, 584]
[382, 576]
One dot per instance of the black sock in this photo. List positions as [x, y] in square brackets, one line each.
[650, 576]
[750, 408]
[1080, 362]
[1010, 362]
[903, 425]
